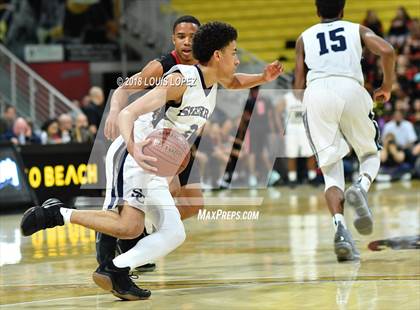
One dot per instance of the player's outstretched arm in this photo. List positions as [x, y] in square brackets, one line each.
[244, 80]
[382, 48]
[141, 80]
[171, 89]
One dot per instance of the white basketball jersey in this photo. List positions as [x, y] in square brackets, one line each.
[333, 49]
[192, 112]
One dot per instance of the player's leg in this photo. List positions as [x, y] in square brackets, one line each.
[186, 188]
[361, 131]
[105, 244]
[322, 118]
[54, 213]
[334, 194]
[126, 224]
[169, 235]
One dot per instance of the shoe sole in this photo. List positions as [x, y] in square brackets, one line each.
[105, 283]
[364, 222]
[344, 251]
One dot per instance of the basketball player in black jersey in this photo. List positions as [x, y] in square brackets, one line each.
[187, 186]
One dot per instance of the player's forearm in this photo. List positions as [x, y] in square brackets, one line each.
[126, 121]
[243, 81]
[388, 67]
[119, 99]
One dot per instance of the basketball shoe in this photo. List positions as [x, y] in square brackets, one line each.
[42, 217]
[356, 197]
[344, 245]
[117, 281]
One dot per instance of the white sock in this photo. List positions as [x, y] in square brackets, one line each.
[311, 174]
[339, 218]
[66, 213]
[292, 176]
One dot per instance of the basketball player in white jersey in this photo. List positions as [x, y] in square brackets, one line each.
[339, 111]
[185, 187]
[187, 96]
[296, 142]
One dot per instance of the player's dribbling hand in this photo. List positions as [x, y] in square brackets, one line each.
[141, 159]
[272, 71]
[111, 130]
[382, 94]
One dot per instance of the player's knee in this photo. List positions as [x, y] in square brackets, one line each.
[129, 231]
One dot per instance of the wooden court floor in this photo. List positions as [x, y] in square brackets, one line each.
[282, 260]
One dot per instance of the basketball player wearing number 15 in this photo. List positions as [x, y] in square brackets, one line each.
[339, 112]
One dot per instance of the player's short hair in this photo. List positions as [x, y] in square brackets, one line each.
[211, 37]
[330, 8]
[186, 19]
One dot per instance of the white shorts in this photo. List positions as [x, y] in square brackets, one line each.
[297, 144]
[339, 116]
[127, 182]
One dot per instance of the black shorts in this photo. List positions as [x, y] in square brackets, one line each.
[191, 174]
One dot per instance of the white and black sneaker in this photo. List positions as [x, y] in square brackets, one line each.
[356, 197]
[42, 217]
[344, 245]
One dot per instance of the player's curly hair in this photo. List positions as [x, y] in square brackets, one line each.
[330, 8]
[211, 37]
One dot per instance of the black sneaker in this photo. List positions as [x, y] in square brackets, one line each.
[117, 281]
[125, 245]
[41, 217]
[344, 245]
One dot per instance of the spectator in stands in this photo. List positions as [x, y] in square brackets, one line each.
[65, 124]
[50, 132]
[399, 29]
[372, 21]
[95, 109]
[22, 133]
[417, 117]
[412, 46]
[81, 133]
[403, 131]
[6, 122]
[393, 160]
[9, 116]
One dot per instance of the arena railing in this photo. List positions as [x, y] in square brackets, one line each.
[33, 96]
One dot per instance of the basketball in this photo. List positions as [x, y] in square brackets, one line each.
[171, 150]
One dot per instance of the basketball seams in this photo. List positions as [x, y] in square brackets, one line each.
[169, 163]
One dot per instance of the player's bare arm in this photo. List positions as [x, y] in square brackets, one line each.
[245, 80]
[382, 48]
[171, 89]
[300, 69]
[139, 81]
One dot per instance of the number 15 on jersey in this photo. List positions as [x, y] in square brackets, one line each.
[338, 41]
